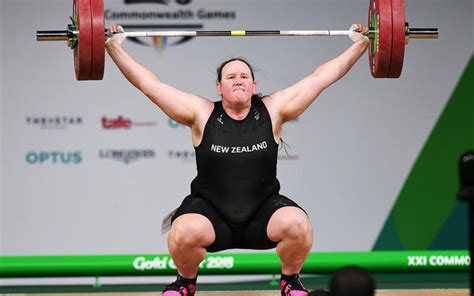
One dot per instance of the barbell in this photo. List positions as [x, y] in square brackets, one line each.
[388, 32]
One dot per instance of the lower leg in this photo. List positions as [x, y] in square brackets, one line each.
[189, 236]
[292, 255]
[291, 229]
[187, 259]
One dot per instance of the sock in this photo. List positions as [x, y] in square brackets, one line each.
[289, 278]
[187, 281]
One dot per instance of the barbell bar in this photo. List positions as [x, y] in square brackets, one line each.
[388, 32]
[69, 35]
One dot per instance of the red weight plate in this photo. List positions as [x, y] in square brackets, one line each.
[83, 50]
[398, 38]
[98, 39]
[380, 16]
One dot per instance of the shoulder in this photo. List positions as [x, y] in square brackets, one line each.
[269, 103]
[204, 111]
[272, 109]
[203, 114]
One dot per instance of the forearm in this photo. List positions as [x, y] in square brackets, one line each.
[336, 68]
[178, 105]
[135, 72]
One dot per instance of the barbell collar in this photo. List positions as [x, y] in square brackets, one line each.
[52, 35]
[422, 33]
[70, 35]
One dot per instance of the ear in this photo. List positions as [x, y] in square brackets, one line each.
[218, 88]
[254, 87]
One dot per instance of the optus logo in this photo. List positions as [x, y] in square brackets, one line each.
[54, 157]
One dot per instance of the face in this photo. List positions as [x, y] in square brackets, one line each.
[237, 84]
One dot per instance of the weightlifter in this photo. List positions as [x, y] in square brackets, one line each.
[234, 200]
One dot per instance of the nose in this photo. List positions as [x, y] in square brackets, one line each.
[238, 81]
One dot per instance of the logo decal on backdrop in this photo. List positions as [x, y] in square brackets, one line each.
[127, 155]
[122, 122]
[182, 2]
[288, 157]
[160, 43]
[174, 124]
[54, 157]
[284, 152]
[184, 155]
[53, 122]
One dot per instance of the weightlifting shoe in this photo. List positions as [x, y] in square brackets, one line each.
[179, 288]
[293, 287]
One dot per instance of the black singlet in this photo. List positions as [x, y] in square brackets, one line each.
[236, 162]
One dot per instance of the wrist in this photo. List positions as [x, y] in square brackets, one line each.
[365, 41]
[112, 46]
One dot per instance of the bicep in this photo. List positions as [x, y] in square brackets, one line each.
[294, 100]
[183, 107]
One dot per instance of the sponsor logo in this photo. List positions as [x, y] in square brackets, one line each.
[283, 153]
[439, 260]
[220, 120]
[53, 122]
[165, 262]
[170, 15]
[165, 2]
[468, 157]
[123, 123]
[127, 155]
[184, 155]
[157, 263]
[54, 157]
[194, 18]
[288, 157]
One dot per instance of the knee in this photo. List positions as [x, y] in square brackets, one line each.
[294, 224]
[191, 230]
[298, 227]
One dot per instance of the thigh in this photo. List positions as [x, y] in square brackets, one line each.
[196, 205]
[288, 222]
[192, 229]
[256, 236]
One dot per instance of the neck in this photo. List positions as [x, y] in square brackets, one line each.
[237, 111]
